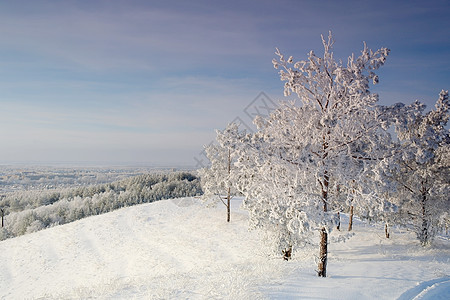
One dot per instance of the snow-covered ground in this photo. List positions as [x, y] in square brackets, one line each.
[179, 249]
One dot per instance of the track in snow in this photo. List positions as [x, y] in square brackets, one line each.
[435, 289]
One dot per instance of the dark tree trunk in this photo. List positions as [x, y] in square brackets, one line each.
[338, 227]
[322, 266]
[3, 215]
[350, 221]
[386, 230]
[287, 253]
[325, 184]
[424, 232]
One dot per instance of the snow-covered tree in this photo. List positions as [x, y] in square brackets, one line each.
[218, 179]
[420, 172]
[268, 188]
[302, 152]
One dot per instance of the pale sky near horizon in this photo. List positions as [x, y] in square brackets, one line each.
[149, 81]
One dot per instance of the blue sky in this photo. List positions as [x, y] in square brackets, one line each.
[150, 81]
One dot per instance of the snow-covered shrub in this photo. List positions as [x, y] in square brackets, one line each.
[4, 233]
[36, 225]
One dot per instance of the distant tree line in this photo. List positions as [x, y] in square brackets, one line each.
[30, 211]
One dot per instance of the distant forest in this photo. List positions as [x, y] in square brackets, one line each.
[30, 211]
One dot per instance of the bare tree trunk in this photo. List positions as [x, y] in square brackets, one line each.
[350, 221]
[424, 232]
[3, 214]
[325, 184]
[323, 254]
[338, 227]
[322, 266]
[386, 231]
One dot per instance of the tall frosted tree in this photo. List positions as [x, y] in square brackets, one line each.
[419, 174]
[305, 149]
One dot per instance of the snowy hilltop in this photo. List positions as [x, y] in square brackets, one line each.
[180, 249]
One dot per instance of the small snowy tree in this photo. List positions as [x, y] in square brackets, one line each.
[420, 172]
[298, 152]
[217, 179]
[270, 191]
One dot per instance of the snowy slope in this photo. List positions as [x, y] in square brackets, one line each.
[178, 249]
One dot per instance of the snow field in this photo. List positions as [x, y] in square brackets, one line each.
[179, 249]
[166, 249]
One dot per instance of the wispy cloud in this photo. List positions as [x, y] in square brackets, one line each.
[146, 38]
